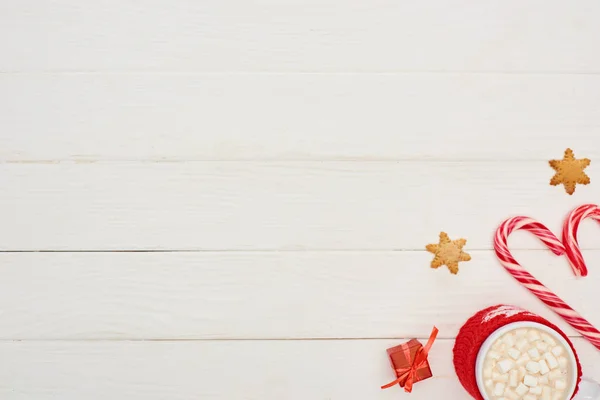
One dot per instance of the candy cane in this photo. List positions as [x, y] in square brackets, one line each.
[526, 279]
[569, 236]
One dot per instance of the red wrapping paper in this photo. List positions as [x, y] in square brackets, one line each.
[409, 361]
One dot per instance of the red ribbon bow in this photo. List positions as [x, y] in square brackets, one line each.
[407, 375]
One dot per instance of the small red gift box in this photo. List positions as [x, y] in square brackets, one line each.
[409, 361]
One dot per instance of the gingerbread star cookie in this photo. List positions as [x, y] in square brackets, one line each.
[569, 171]
[448, 252]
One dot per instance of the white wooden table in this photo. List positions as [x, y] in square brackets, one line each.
[228, 199]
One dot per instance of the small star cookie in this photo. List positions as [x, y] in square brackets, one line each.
[448, 252]
[569, 171]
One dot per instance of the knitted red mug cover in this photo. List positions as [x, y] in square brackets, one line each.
[479, 327]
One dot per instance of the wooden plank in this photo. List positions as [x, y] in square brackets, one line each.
[292, 370]
[259, 295]
[275, 205]
[315, 35]
[167, 117]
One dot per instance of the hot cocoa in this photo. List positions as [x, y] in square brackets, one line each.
[527, 364]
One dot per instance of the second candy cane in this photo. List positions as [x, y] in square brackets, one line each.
[557, 305]
[570, 235]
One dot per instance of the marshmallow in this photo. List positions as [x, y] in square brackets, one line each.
[548, 339]
[522, 372]
[543, 367]
[509, 340]
[530, 397]
[509, 394]
[563, 362]
[494, 355]
[505, 365]
[551, 360]
[530, 381]
[514, 378]
[542, 346]
[533, 335]
[534, 353]
[489, 383]
[499, 389]
[523, 359]
[560, 384]
[536, 390]
[546, 393]
[499, 377]
[522, 344]
[521, 389]
[543, 380]
[557, 351]
[532, 367]
[558, 396]
[555, 374]
[514, 353]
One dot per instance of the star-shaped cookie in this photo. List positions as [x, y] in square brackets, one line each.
[569, 171]
[448, 252]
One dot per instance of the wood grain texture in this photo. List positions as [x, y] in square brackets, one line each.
[230, 199]
[214, 370]
[362, 117]
[266, 295]
[300, 35]
[277, 205]
[248, 370]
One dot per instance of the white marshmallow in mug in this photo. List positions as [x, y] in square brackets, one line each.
[499, 389]
[544, 368]
[522, 389]
[557, 373]
[563, 362]
[551, 360]
[522, 344]
[523, 359]
[533, 367]
[548, 339]
[509, 394]
[557, 350]
[530, 380]
[546, 393]
[534, 353]
[505, 365]
[533, 335]
[514, 353]
[513, 379]
[496, 377]
[536, 390]
[542, 346]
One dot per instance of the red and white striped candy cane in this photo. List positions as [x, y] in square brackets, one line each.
[569, 235]
[536, 287]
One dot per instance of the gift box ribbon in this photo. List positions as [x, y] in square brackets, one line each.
[407, 375]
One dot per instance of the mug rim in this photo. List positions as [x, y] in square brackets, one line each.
[487, 344]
